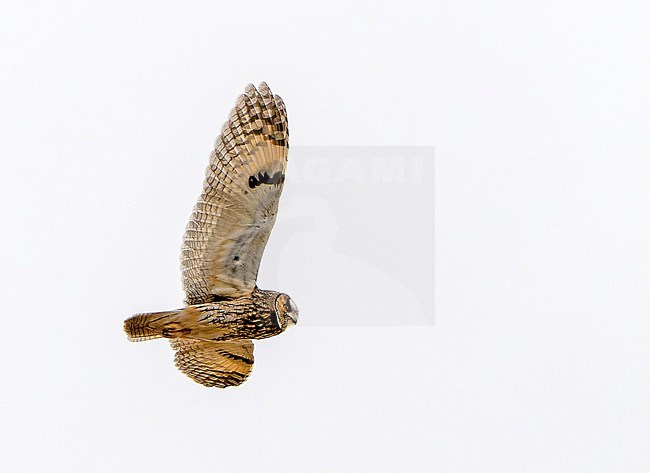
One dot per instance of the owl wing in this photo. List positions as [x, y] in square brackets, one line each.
[211, 363]
[231, 222]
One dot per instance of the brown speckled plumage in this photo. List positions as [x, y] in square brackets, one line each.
[222, 250]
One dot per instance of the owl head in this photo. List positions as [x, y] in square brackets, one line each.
[286, 310]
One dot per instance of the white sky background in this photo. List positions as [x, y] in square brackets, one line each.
[538, 359]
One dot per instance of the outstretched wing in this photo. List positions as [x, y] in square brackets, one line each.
[233, 218]
[210, 363]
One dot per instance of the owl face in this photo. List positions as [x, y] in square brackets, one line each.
[286, 310]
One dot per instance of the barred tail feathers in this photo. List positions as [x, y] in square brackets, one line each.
[141, 327]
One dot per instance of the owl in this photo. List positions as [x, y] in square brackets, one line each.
[222, 248]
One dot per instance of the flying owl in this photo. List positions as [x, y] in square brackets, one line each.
[222, 249]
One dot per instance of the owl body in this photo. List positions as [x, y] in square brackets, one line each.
[222, 249]
[261, 314]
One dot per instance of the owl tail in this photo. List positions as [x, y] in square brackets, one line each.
[143, 327]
